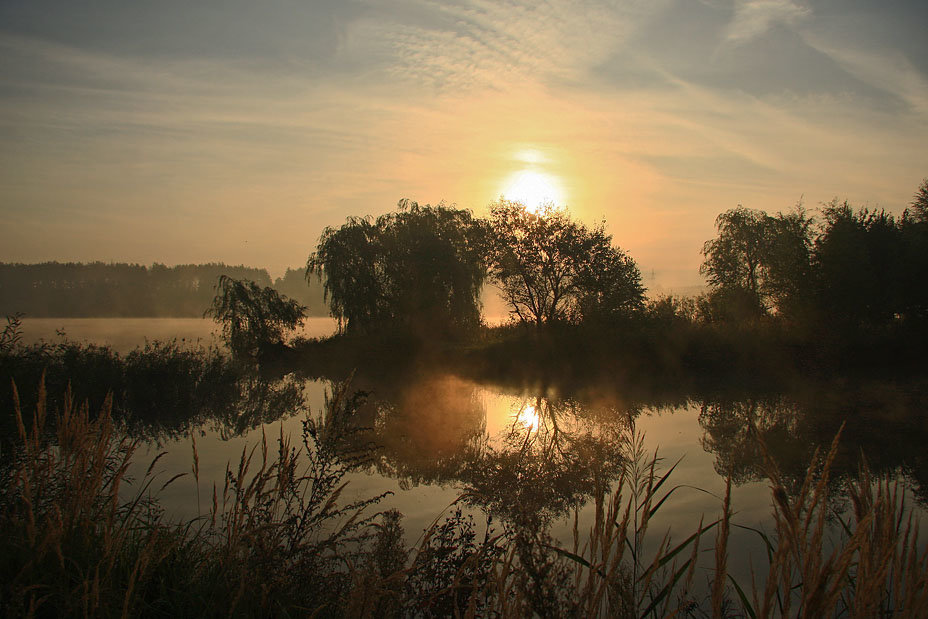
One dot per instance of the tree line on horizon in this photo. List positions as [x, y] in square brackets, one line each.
[99, 289]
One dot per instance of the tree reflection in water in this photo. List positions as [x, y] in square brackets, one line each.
[881, 421]
[427, 429]
[548, 456]
[552, 458]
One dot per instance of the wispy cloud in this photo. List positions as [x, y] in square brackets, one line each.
[753, 18]
[502, 45]
[887, 70]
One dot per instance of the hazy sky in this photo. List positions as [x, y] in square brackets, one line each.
[194, 131]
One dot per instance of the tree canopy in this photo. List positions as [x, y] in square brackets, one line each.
[550, 268]
[418, 268]
[860, 268]
[758, 262]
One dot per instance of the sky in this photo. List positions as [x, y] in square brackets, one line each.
[236, 131]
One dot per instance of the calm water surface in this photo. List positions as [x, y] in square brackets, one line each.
[125, 334]
[442, 436]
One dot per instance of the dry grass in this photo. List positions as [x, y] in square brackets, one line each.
[873, 566]
[81, 538]
[819, 563]
[72, 541]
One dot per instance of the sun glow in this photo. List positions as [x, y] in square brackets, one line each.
[528, 418]
[533, 189]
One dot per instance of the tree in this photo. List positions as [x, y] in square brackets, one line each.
[919, 204]
[857, 260]
[347, 259]
[733, 260]
[914, 262]
[253, 317]
[758, 263]
[609, 282]
[550, 268]
[419, 268]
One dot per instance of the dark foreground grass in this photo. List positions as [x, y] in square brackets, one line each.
[82, 539]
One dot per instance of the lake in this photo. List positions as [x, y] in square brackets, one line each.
[442, 436]
[125, 334]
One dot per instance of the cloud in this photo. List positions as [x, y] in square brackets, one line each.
[887, 70]
[755, 17]
[503, 45]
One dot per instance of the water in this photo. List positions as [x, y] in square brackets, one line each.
[442, 436]
[125, 334]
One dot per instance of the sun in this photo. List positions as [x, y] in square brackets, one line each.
[533, 189]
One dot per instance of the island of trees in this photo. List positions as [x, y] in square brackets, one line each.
[784, 289]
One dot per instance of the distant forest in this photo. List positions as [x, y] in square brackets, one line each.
[98, 289]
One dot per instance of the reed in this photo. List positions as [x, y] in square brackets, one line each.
[75, 543]
[83, 538]
[875, 564]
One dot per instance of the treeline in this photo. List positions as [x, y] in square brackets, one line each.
[98, 289]
[851, 270]
[845, 271]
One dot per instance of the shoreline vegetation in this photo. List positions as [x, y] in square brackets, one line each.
[795, 309]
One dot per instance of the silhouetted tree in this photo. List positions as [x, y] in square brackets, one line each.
[914, 263]
[346, 259]
[253, 317]
[857, 260]
[919, 204]
[758, 263]
[608, 281]
[420, 268]
[788, 263]
[550, 268]
[733, 261]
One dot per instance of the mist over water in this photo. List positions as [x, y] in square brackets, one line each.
[125, 334]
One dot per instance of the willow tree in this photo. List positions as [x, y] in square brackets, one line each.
[419, 268]
[550, 268]
[347, 259]
[253, 317]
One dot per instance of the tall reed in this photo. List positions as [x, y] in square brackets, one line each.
[873, 565]
[74, 542]
[82, 538]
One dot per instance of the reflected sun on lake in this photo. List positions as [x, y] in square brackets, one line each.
[528, 418]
